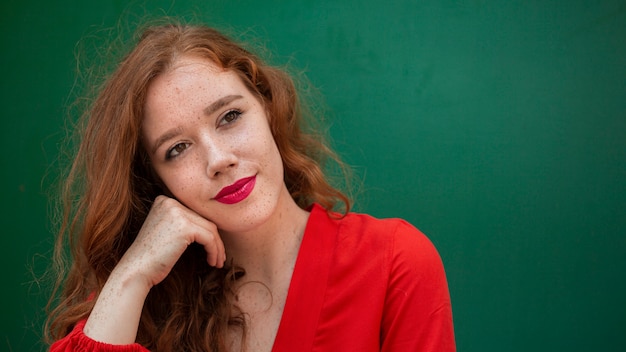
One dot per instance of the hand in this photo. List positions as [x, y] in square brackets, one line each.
[168, 230]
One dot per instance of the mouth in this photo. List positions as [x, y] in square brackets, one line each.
[236, 192]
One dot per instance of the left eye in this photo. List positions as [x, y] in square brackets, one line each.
[176, 150]
[230, 117]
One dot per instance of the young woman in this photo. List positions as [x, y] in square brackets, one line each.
[199, 219]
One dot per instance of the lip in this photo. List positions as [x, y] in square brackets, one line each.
[236, 192]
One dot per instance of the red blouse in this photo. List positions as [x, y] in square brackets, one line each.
[359, 284]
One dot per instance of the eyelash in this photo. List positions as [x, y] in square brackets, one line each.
[168, 154]
[229, 113]
[222, 122]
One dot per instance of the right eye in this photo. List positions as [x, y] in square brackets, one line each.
[176, 150]
[230, 117]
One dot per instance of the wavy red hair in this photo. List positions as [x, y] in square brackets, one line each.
[110, 188]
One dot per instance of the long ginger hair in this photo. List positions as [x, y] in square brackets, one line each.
[110, 188]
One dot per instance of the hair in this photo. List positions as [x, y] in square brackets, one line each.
[110, 187]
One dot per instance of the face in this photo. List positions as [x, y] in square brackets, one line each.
[210, 143]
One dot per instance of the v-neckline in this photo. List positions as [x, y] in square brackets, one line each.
[307, 288]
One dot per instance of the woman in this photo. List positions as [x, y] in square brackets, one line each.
[205, 222]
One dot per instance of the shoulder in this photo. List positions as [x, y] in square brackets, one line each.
[397, 232]
[392, 240]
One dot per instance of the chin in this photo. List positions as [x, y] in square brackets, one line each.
[246, 216]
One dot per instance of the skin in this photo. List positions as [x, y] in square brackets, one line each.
[204, 131]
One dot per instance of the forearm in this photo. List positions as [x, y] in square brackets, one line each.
[116, 313]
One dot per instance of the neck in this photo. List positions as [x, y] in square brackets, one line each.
[270, 250]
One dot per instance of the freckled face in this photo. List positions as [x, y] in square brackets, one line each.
[210, 143]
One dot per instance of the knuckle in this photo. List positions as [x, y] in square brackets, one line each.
[211, 227]
[160, 199]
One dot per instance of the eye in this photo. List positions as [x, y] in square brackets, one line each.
[230, 117]
[176, 150]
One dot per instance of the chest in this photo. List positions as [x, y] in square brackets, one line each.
[262, 309]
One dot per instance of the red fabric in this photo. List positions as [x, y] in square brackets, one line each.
[359, 284]
[364, 284]
[77, 341]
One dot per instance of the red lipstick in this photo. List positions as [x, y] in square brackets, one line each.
[236, 192]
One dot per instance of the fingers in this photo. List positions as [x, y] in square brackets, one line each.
[168, 230]
[212, 243]
[216, 255]
[205, 233]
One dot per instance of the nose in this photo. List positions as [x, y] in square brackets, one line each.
[220, 158]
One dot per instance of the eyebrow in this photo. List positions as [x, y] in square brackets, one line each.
[220, 103]
[209, 110]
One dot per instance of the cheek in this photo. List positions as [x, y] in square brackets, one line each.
[179, 181]
[273, 161]
[277, 158]
[266, 145]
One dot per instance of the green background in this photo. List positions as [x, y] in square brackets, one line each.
[496, 127]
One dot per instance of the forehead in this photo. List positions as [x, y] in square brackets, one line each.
[182, 94]
[190, 72]
[190, 83]
[189, 63]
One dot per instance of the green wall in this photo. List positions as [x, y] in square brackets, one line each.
[496, 127]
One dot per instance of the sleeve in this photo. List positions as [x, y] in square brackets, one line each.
[417, 314]
[77, 341]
